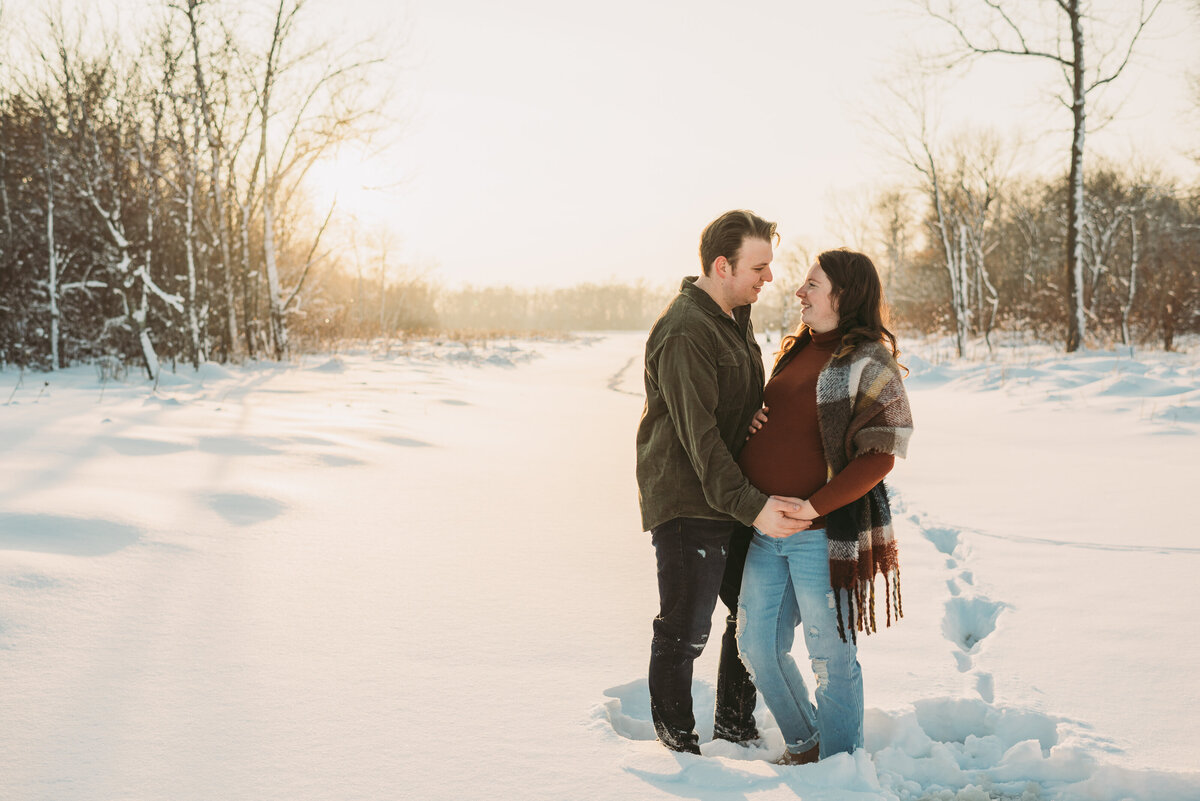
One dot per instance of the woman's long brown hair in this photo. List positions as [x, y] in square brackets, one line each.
[861, 308]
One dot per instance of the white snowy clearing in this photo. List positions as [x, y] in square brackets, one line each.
[418, 574]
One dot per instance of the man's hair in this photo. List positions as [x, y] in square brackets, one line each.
[724, 236]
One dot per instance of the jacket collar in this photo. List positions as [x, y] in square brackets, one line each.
[705, 301]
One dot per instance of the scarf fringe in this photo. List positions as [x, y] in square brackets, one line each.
[860, 604]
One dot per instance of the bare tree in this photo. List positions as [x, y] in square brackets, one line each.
[102, 126]
[848, 215]
[980, 168]
[5, 203]
[212, 132]
[5, 97]
[51, 246]
[1000, 33]
[144, 173]
[893, 219]
[1107, 212]
[1134, 263]
[912, 131]
[188, 131]
[321, 111]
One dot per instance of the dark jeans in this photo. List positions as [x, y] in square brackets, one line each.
[698, 561]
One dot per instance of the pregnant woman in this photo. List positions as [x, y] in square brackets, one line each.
[838, 417]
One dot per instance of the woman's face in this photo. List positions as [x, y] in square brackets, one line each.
[818, 306]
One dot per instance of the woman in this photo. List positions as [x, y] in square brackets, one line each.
[838, 418]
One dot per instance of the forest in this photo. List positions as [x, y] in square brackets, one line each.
[154, 208]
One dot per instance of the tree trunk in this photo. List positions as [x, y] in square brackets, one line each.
[249, 306]
[985, 282]
[1133, 271]
[1168, 326]
[1076, 322]
[963, 299]
[279, 335]
[51, 254]
[190, 252]
[214, 149]
[137, 321]
[943, 226]
[382, 287]
[144, 335]
[7, 207]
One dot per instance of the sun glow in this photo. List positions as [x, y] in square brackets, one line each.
[355, 182]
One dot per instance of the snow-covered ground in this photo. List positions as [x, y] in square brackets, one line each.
[417, 574]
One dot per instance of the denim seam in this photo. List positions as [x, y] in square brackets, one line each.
[814, 738]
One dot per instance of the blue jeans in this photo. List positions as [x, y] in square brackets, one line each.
[785, 584]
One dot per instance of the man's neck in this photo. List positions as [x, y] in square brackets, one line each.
[713, 288]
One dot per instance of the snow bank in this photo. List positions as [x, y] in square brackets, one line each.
[414, 570]
[1159, 386]
[956, 749]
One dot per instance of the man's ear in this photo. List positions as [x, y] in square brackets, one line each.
[721, 266]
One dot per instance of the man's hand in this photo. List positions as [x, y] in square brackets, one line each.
[760, 417]
[782, 517]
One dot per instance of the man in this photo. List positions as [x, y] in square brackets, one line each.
[704, 383]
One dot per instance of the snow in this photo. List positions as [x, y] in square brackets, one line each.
[415, 571]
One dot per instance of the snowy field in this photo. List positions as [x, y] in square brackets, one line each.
[417, 574]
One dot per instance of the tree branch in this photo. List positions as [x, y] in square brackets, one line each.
[980, 50]
[309, 261]
[1143, 20]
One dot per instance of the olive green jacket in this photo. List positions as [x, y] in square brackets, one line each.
[704, 382]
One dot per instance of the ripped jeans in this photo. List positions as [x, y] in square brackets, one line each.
[785, 584]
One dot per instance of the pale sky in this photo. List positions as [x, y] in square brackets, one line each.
[548, 142]
[556, 142]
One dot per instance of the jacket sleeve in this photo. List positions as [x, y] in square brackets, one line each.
[687, 376]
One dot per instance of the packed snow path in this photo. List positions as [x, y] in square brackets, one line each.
[419, 575]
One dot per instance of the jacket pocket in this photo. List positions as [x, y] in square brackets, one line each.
[734, 375]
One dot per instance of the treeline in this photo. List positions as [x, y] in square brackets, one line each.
[970, 252]
[153, 206]
[585, 307]
[151, 199]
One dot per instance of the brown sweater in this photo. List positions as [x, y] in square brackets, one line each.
[786, 456]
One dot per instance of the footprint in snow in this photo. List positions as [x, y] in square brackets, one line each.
[76, 536]
[954, 720]
[138, 446]
[944, 539]
[242, 509]
[241, 446]
[405, 442]
[334, 460]
[32, 581]
[969, 621]
[626, 713]
[628, 710]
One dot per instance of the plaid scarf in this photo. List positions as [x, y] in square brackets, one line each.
[862, 408]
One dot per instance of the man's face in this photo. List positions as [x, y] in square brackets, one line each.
[745, 279]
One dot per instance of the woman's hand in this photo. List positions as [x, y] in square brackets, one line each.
[780, 517]
[760, 417]
[806, 511]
